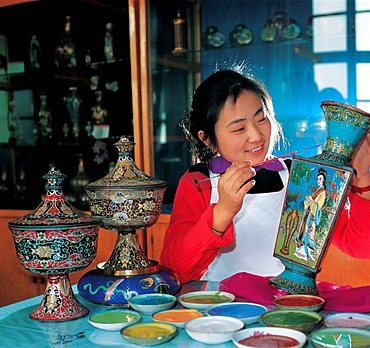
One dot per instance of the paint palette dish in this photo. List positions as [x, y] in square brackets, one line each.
[299, 302]
[213, 330]
[148, 304]
[340, 337]
[348, 319]
[177, 317]
[114, 320]
[203, 299]
[303, 321]
[149, 334]
[248, 313]
[269, 337]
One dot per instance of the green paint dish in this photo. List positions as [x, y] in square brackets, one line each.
[300, 320]
[204, 299]
[340, 337]
[114, 320]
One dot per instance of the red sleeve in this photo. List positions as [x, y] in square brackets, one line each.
[189, 244]
[352, 231]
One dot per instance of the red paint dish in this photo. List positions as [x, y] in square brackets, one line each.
[299, 302]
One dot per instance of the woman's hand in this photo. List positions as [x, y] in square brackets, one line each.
[232, 187]
[361, 163]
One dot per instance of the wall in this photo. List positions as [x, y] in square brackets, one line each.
[286, 67]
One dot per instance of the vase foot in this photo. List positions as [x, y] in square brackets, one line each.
[59, 302]
[295, 283]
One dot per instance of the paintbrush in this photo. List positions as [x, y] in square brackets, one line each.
[264, 162]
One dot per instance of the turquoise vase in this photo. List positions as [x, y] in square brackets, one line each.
[303, 237]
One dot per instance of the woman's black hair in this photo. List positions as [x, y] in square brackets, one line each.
[208, 100]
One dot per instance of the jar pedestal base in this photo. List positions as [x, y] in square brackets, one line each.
[59, 302]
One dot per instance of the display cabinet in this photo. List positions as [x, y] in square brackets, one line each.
[65, 94]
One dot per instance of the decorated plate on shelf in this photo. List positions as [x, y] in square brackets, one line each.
[241, 36]
[203, 299]
[213, 38]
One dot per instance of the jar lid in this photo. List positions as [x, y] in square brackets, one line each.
[125, 174]
[54, 210]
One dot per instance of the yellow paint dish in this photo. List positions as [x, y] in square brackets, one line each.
[149, 334]
[176, 317]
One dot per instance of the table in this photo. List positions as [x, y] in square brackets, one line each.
[18, 330]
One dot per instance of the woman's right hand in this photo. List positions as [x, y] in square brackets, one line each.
[232, 187]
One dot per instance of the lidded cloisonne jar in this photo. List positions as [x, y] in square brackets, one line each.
[56, 239]
[127, 199]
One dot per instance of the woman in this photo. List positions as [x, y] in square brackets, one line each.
[311, 218]
[228, 223]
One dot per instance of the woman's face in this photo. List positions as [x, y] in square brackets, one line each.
[243, 130]
[320, 180]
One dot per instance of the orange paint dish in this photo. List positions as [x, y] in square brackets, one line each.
[176, 317]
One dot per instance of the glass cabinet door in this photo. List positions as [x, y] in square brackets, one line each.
[175, 73]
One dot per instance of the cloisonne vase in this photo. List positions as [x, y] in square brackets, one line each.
[316, 194]
[56, 239]
[127, 200]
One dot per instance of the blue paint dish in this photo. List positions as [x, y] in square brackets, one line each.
[247, 312]
[151, 303]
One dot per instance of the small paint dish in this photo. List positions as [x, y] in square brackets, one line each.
[213, 330]
[148, 304]
[299, 302]
[340, 337]
[177, 317]
[203, 299]
[303, 321]
[114, 320]
[248, 313]
[269, 337]
[149, 334]
[348, 319]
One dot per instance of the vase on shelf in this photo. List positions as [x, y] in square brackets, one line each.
[127, 200]
[44, 121]
[56, 239]
[108, 43]
[99, 118]
[73, 103]
[315, 196]
[65, 52]
[180, 35]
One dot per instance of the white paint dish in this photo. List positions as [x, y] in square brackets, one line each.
[348, 319]
[213, 330]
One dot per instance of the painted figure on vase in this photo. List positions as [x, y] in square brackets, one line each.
[312, 216]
